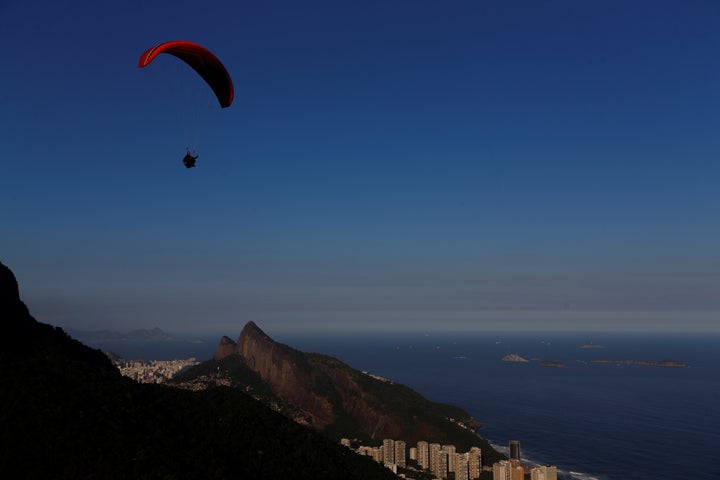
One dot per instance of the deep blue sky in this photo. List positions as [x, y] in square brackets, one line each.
[412, 165]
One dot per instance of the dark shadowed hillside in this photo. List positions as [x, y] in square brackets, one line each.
[340, 401]
[67, 413]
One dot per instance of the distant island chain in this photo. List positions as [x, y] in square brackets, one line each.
[513, 357]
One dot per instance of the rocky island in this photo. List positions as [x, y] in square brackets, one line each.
[552, 363]
[646, 363]
[512, 357]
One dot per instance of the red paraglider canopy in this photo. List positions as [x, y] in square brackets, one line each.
[202, 61]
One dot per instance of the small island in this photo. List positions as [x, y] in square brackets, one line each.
[591, 345]
[646, 363]
[512, 357]
[552, 363]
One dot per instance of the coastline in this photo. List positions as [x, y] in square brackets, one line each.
[530, 462]
[580, 400]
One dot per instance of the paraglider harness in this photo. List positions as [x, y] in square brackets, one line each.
[189, 160]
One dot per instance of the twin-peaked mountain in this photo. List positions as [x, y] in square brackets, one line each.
[331, 396]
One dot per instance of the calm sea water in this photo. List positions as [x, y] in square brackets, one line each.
[602, 421]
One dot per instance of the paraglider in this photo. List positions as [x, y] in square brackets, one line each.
[205, 63]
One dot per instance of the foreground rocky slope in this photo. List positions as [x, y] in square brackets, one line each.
[67, 413]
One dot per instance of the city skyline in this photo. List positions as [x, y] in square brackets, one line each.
[439, 460]
[385, 166]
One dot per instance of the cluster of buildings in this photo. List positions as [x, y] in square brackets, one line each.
[443, 460]
[154, 371]
[440, 460]
[513, 469]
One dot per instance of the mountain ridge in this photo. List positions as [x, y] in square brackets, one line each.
[327, 394]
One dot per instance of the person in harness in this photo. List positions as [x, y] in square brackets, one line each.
[189, 159]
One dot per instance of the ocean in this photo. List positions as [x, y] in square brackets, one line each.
[604, 421]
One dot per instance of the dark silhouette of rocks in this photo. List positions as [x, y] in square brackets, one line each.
[10, 296]
[67, 413]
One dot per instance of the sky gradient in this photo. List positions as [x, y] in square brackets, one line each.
[406, 165]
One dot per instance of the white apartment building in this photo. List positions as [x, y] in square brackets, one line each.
[460, 461]
[474, 463]
[434, 457]
[388, 451]
[423, 454]
[400, 453]
[543, 472]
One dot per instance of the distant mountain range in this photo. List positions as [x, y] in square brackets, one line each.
[138, 335]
